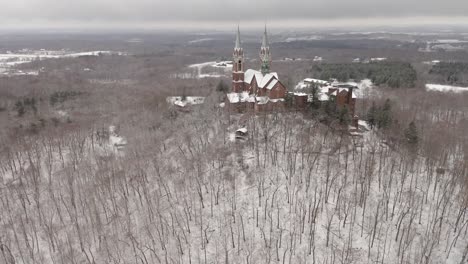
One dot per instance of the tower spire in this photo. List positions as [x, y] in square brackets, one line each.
[238, 65]
[265, 55]
[265, 43]
[238, 41]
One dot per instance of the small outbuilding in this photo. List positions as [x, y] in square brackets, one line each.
[241, 133]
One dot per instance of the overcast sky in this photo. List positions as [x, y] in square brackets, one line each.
[169, 13]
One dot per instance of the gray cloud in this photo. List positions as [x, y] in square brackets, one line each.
[123, 12]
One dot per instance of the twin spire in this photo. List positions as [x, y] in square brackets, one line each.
[265, 42]
[265, 55]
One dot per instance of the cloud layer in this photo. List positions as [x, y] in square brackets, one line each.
[162, 11]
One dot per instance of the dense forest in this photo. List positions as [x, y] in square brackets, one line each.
[391, 74]
[452, 72]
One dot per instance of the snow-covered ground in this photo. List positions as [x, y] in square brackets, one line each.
[365, 88]
[226, 65]
[445, 88]
[317, 59]
[294, 193]
[446, 47]
[305, 38]
[189, 100]
[135, 40]
[10, 59]
[450, 41]
[433, 62]
[200, 40]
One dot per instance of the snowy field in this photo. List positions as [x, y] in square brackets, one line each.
[200, 40]
[446, 88]
[210, 69]
[11, 59]
[305, 38]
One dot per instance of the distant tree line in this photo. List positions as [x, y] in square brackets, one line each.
[391, 74]
[62, 96]
[452, 72]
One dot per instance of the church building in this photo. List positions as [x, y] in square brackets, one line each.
[257, 90]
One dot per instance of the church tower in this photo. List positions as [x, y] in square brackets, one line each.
[265, 55]
[238, 66]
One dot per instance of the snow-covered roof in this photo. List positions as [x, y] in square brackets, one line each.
[277, 100]
[267, 78]
[242, 130]
[262, 80]
[378, 59]
[262, 100]
[272, 84]
[240, 97]
[189, 100]
[339, 90]
[300, 94]
[346, 90]
[249, 75]
[324, 97]
[180, 103]
[300, 86]
[311, 80]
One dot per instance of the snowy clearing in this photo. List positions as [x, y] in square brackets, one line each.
[226, 65]
[306, 38]
[445, 88]
[189, 100]
[200, 40]
[11, 59]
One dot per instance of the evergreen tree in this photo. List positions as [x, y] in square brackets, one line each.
[372, 115]
[289, 99]
[315, 95]
[343, 116]
[384, 119]
[330, 108]
[222, 87]
[20, 108]
[411, 134]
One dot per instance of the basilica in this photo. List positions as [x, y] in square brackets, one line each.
[255, 90]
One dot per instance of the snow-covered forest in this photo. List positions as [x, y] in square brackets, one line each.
[295, 191]
[132, 157]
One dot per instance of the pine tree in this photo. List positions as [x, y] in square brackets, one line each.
[343, 116]
[315, 95]
[384, 119]
[411, 134]
[20, 108]
[222, 87]
[372, 115]
[289, 99]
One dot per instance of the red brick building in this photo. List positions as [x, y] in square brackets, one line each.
[341, 93]
[251, 89]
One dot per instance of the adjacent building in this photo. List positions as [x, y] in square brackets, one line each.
[341, 93]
